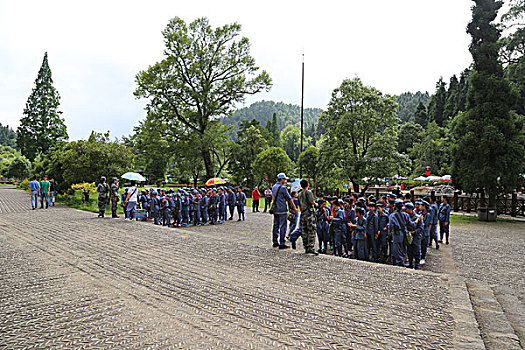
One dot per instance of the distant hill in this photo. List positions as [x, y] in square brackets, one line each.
[7, 136]
[287, 114]
[408, 102]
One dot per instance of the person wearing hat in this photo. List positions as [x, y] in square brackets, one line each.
[372, 231]
[155, 206]
[222, 205]
[185, 209]
[434, 214]
[281, 197]
[241, 203]
[414, 248]
[350, 219]
[382, 224]
[103, 196]
[322, 215]
[307, 204]
[232, 198]
[339, 226]
[361, 249]
[177, 208]
[114, 191]
[423, 209]
[400, 225]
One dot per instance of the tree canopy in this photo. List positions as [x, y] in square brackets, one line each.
[205, 72]
[41, 127]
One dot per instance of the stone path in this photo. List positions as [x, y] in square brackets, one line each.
[70, 280]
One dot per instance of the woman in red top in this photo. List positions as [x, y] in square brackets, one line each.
[255, 200]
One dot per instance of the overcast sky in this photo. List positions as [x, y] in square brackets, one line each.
[96, 48]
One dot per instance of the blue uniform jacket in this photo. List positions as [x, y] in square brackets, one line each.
[241, 197]
[231, 198]
[382, 223]
[444, 212]
[322, 218]
[418, 226]
[433, 214]
[340, 220]
[372, 226]
[204, 203]
[361, 228]
[427, 221]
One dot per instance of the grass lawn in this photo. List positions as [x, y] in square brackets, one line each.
[465, 218]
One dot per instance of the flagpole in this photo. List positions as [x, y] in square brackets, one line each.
[302, 109]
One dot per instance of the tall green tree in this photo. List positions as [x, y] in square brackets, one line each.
[41, 127]
[251, 141]
[420, 116]
[409, 134]
[151, 144]
[205, 72]
[275, 134]
[291, 141]
[431, 149]
[269, 163]
[309, 163]
[489, 152]
[436, 108]
[451, 106]
[19, 168]
[361, 133]
[87, 160]
[7, 136]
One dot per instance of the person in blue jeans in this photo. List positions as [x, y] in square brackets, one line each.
[34, 186]
[281, 199]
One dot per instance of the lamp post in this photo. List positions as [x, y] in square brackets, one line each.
[302, 109]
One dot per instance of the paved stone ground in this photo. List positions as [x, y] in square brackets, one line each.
[70, 280]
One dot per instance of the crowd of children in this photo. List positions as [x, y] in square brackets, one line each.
[391, 229]
[188, 206]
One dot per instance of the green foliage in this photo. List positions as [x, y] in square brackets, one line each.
[41, 127]
[151, 145]
[205, 72]
[431, 149]
[409, 134]
[250, 143]
[420, 115]
[7, 136]
[361, 134]
[273, 128]
[309, 163]
[85, 188]
[436, 108]
[408, 103]
[512, 52]
[19, 168]
[87, 160]
[489, 149]
[291, 140]
[269, 163]
[263, 111]
[24, 185]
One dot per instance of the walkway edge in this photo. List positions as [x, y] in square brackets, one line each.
[466, 333]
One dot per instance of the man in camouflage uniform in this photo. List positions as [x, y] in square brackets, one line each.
[114, 198]
[307, 204]
[103, 194]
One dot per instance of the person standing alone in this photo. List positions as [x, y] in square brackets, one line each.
[256, 195]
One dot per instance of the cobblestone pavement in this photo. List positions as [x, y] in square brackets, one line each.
[70, 280]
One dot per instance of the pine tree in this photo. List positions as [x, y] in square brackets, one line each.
[436, 107]
[489, 152]
[41, 127]
[451, 107]
[420, 116]
[275, 132]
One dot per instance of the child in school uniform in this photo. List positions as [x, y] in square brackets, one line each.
[382, 223]
[322, 215]
[361, 248]
[339, 221]
[372, 231]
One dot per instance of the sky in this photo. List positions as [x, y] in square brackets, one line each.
[96, 48]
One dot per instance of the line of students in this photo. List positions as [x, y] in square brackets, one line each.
[394, 229]
[188, 206]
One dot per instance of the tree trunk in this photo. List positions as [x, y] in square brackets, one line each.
[208, 164]
[355, 185]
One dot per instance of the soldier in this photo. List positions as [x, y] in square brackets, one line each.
[103, 196]
[114, 198]
[307, 204]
